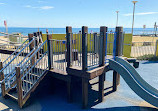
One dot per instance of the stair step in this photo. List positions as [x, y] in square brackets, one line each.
[13, 96]
[27, 81]
[31, 76]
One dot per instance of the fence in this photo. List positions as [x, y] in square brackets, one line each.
[142, 48]
[58, 54]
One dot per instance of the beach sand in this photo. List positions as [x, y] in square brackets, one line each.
[3, 38]
[144, 39]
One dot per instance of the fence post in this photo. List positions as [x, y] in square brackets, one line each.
[1, 78]
[118, 52]
[19, 86]
[84, 47]
[69, 46]
[49, 37]
[156, 48]
[102, 55]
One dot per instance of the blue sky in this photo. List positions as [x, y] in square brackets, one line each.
[76, 13]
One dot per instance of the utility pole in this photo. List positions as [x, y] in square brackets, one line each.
[134, 2]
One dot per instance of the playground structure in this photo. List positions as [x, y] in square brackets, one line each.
[82, 57]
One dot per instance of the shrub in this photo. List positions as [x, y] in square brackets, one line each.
[149, 57]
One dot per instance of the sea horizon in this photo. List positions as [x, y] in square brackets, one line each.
[26, 30]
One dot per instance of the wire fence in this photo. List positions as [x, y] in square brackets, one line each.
[142, 48]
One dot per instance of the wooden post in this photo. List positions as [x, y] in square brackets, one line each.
[119, 52]
[40, 37]
[103, 49]
[1, 78]
[36, 42]
[69, 60]
[69, 91]
[32, 46]
[84, 92]
[69, 46]
[84, 67]
[49, 45]
[84, 47]
[19, 87]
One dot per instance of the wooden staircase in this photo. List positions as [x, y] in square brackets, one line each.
[19, 83]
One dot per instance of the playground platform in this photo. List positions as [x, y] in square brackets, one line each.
[77, 67]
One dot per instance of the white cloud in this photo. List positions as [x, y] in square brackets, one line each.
[42, 8]
[2, 3]
[40, 1]
[46, 7]
[144, 13]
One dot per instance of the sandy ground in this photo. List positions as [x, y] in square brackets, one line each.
[51, 95]
[3, 38]
[144, 39]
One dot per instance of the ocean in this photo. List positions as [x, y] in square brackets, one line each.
[25, 31]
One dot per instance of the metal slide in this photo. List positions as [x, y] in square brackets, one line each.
[134, 80]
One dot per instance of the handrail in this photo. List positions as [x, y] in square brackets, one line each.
[34, 64]
[16, 50]
[16, 55]
[14, 69]
[34, 52]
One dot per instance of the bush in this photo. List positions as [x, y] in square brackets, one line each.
[149, 57]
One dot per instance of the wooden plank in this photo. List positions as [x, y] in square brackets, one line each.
[61, 75]
[76, 71]
[12, 97]
[3, 51]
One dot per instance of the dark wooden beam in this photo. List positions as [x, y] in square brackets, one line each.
[118, 52]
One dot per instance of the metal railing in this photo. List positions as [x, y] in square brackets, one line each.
[17, 49]
[58, 54]
[110, 45]
[77, 49]
[32, 70]
[142, 48]
[9, 68]
[93, 40]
